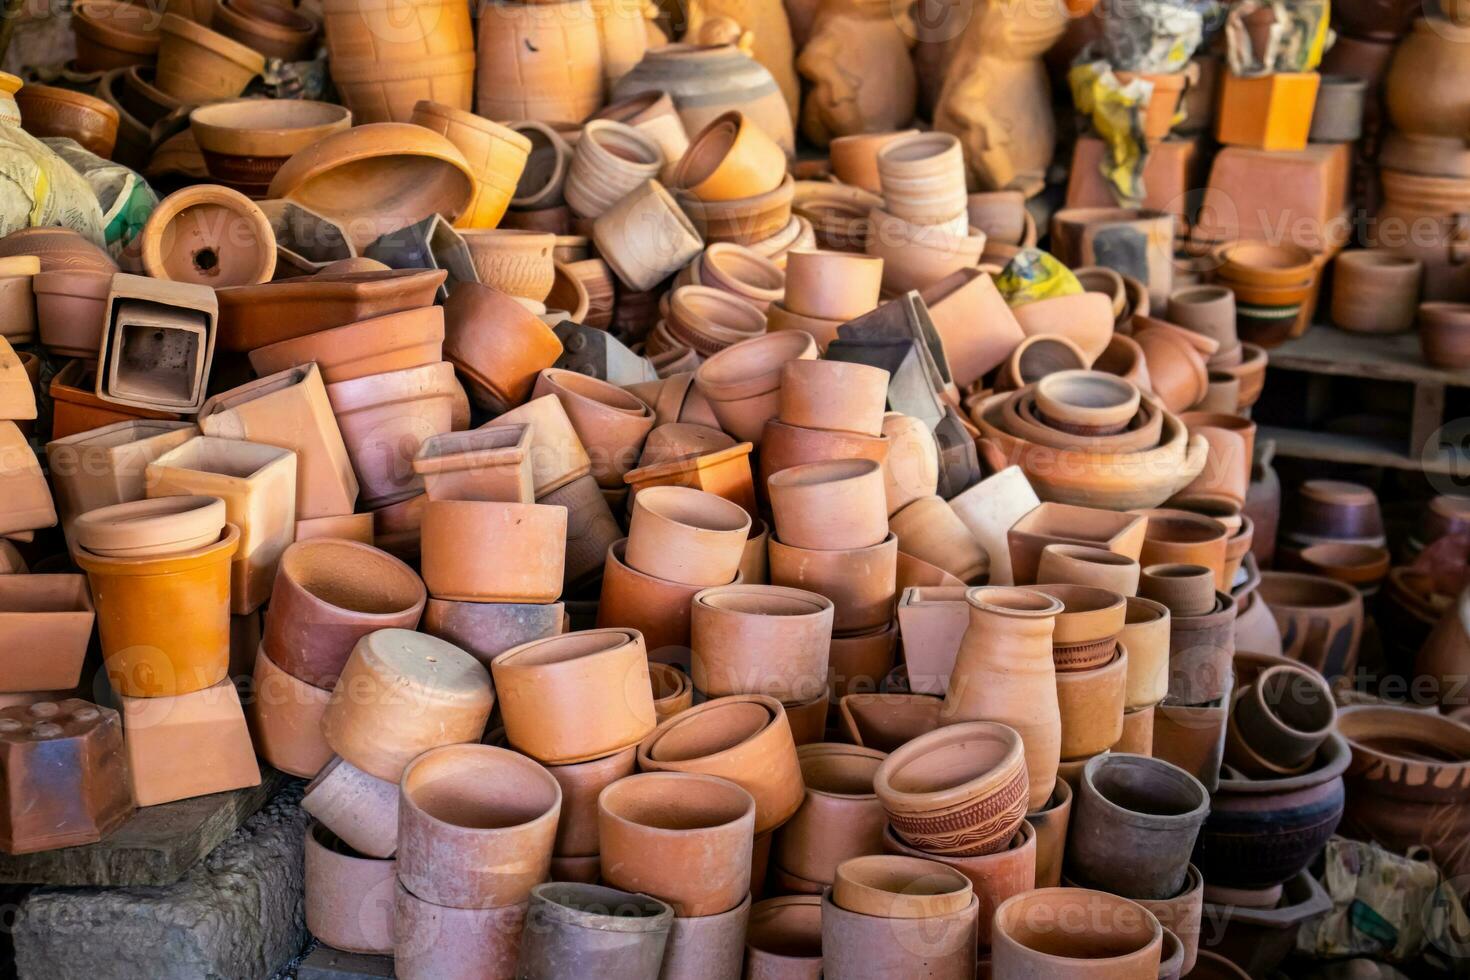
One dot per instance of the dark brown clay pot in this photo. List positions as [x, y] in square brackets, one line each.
[1321, 620]
[436, 942]
[711, 947]
[574, 929]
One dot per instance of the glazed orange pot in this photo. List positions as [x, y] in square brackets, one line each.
[152, 654]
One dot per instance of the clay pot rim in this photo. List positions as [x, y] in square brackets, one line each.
[1061, 796]
[1374, 258]
[429, 107]
[1347, 556]
[1331, 760]
[817, 751]
[599, 130]
[800, 602]
[81, 100]
[917, 147]
[1179, 570]
[1083, 604]
[869, 882]
[683, 786]
[646, 748]
[392, 387]
[1013, 363]
[116, 525]
[1345, 594]
[751, 367]
[1157, 610]
[1059, 962]
[1088, 554]
[581, 388]
[554, 900]
[1118, 814]
[1201, 294]
[686, 464]
[705, 511]
[167, 564]
[726, 257]
[683, 685]
[478, 757]
[490, 445]
[81, 10]
[921, 801]
[577, 647]
[889, 542]
[618, 110]
[387, 568]
[823, 473]
[1431, 728]
[561, 157]
[213, 42]
[250, 120]
[1182, 526]
[1256, 691]
[1015, 601]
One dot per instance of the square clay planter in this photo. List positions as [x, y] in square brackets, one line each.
[489, 463]
[187, 745]
[45, 626]
[932, 620]
[258, 485]
[157, 345]
[1053, 523]
[108, 466]
[290, 409]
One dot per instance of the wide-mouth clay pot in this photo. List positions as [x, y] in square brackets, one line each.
[834, 395]
[784, 938]
[1086, 402]
[743, 381]
[1186, 589]
[831, 505]
[270, 312]
[573, 927]
[148, 528]
[765, 638]
[1086, 628]
[840, 818]
[112, 35]
[574, 697]
[610, 422]
[245, 141]
[832, 285]
[923, 177]
[359, 808]
[51, 111]
[861, 582]
[744, 738]
[476, 825]
[682, 837]
[741, 272]
[491, 463]
[959, 790]
[730, 159]
[685, 535]
[1078, 564]
[1120, 940]
[1321, 620]
[894, 887]
[349, 896]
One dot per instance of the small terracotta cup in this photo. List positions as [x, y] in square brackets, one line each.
[1187, 590]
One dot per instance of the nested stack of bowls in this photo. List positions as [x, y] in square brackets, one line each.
[1129, 454]
[1092, 667]
[893, 915]
[732, 182]
[1275, 289]
[922, 230]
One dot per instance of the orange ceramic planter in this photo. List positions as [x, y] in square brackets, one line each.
[1270, 112]
[164, 622]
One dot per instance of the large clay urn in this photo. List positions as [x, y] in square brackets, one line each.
[1428, 86]
[1004, 673]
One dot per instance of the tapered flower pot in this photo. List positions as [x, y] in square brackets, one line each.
[212, 721]
[535, 534]
[475, 826]
[403, 693]
[359, 808]
[829, 506]
[285, 716]
[743, 382]
[610, 422]
[760, 639]
[1118, 939]
[684, 838]
[836, 395]
[1091, 705]
[497, 344]
[860, 582]
[575, 697]
[349, 896]
[581, 783]
[928, 528]
[492, 462]
[939, 945]
[437, 942]
[688, 536]
[46, 622]
[588, 930]
[745, 739]
[328, 595]
[1077, 564]
[839, 818]
[384, 418]
[557, 454]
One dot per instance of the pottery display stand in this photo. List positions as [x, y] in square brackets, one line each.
[1382, 360]
[156, 846]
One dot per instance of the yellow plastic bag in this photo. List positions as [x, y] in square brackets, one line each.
[1034, 275]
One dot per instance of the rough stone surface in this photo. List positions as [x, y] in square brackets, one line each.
[237, 915]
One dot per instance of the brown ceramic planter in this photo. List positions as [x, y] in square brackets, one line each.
[911, 468]
[887, 721]
[1200, 650]
[591, 529]
[625, 231]
[760, 639]
[212, 719]
[492, 463]
[546, 717]
[476, 825]
[1321, 620]
[1050, 824]
[581, 783]
[1182, 537]
[840, 817]
[743, 382]
[254, 316]
[688, 536]
[1121, 941]
[784, 446]
[609, 933]
[51, 111]
[858, 662]
[1145, 636]
[349, 897]
[111, 35]
[328, 594]
[285, 716]
[360, 809]
[681, 837]
[939, 945]
[436, 942]
[933, 620]
[1091, 705]
[408, 339]
[894, 887]
[861, 582]
[275, 32]
[536, 533]
[497, 344]
[384, 418]
[657, 608]
[485, 629]
[403, 693]
[610, 422]
[832, 505]
[832, 285]
[745, 739]
[198, 65]
[784, 939]
[47, 622]
[1284, 715]
[557, 455]
[961, 790]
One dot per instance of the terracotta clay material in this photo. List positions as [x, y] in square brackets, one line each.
[834, 395]
[246, 141]
[1090, 620]
[688, 536]
[581, 783]
[609, 933]
[610, 422]
[497, 344]
[51, 111]
[743, 382]
[1187, 590]
[491, 463]
[436, 942]
[534, 532]
[1321, 620]
[408, 693]
[681, 837]
[729, 159]
[211, 719]
[1091, 705]
[268, 313]
[840, 817]
[1050, 824]
[110, 35]
[476, 825]
[745, 739]
[942, 945]
[46, 621]
[784, 938]
[839, 504]
[285, 716]
[139, 528]
[1078, 564]
[760, 638]
[1122, 941]
[784, 446]
[360, 809]
[328, 594]
[673, 692]
[1284, 715]
[548, 721]
[861, 582]
[349, 897]
[832, 285]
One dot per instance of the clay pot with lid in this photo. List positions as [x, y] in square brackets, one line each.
[476, 824]
[400, 694]
[51, 111]
[349, 896]
[840, 817]
[1134, 825]
[328, 594]
[682, 837]
[1321, 620]
[760, 638]
[1121, 941]
[685, 535]
[545, 716]
[198, 65]
[144, 528]
[959, 790]
[1079, 564]
[743, 382]
[832, 285]
[745, 739]
[831, 505]
[835, 395]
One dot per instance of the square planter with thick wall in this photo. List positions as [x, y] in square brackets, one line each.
[157, 345]
[1268, 112]
[489, 463]
[187, 745]
[258, 485]
[45, 626]
[290, 410]
[75, 406]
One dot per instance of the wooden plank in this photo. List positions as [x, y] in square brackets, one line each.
[155, 847]
[1426, 418]
[1388, 357]
[1338, 447]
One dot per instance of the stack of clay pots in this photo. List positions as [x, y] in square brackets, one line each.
[732, 181]
[895, 914]
[922, 231]
[160, 576]
[823, 290]
[1275, 288]
[383, 61]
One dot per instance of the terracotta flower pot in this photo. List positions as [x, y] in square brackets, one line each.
[834, 395]
[960, 790]
[581, 783]
[349, 897]
[547, 720]
[197, 65]
[711, 947]
[784, 938]
[557, 455]
[51, 111]
[610, 422]
[940, 944]
[861, 582]
[1091, 704]
[109, 35]
[403, 693]
[436, 942]
[497, 156]
[560, 79]
[1049, 824]
[745, 739]
[534, 533]
[832, 285]
[729, 159]
[655, 607]
[760, 639]
[784, 446]
[476, 824]
[492, 463]
[1005, 661]
[209, 235]
[1375, 291]
[687, 536]
[840, 817]
[743, 382]
[923, 177]
[328, 594]
[645, 236]
[285, 718]
[673, 691]
[916, 255]
[1176, 369]
[360, 809]
[1086, 319]
[1122, 941]
[831, 505]
[1183, 537]
[245, 141]
[1186, 590]
[1321, 620]
[681, 837]
[753, 221]
[911, 467]
[610, 933]
[1086, 403]
[1076, 564]
[148, 655]
[929, 529]
[858, 662]
[652, 112]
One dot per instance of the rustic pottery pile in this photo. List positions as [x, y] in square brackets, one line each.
[676, 519]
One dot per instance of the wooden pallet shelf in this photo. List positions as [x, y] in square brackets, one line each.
[1325, 352]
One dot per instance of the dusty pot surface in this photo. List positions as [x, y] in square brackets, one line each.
[535, 533]
[899, 887]
[359, 808]
[144, 528]
[475, 826]
[830, 505]
[432, 942]
[840, 817]
[682, 837]
[349, 897]
[942, 945]
[685, 535]
[1134, 825]
[762, 638]
[574, 929]
[784, 938]
[1123, 940]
